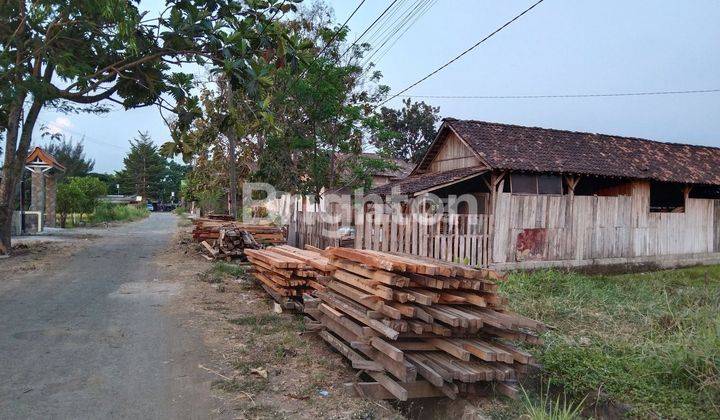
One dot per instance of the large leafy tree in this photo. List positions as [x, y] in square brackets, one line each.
[324, 114]
[291, 130]
[144, 169]
[72, 156]
[78, 55]
[407, 132]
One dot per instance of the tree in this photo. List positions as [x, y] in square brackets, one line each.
[92, 189]
[144, 169]
[408, 131]
[78, 195]
[325, 113]
[69, 197]
[172, 178]
[108, 50]
[71, 156]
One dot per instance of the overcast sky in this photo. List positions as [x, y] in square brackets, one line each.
[560, 47]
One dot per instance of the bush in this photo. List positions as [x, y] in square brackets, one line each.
[107, 212]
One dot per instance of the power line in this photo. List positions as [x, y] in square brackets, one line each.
[570, 95]
[395, 27]
[421, 14]
[410, 20]
[369, 27]
[385, 23]
[434, 72]
[86, 137]
[341, 28]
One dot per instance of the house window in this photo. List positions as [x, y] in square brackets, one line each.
[536, 184]
[523, 184]
[666, 198]
[549, 184]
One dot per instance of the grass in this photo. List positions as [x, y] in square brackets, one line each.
[544, 408]
[650, 341]
[107, 212]
[221, 271]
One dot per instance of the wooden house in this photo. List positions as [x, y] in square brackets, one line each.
[558, 198]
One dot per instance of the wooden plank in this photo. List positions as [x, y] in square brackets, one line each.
[376, 391]
[357, 361]
[391, 386]
[388, 349]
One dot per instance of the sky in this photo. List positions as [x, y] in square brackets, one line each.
[560, 47]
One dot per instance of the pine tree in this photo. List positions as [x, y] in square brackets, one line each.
[144, 169]
[72, 156]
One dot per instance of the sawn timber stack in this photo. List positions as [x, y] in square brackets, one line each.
[286, 272]
[420, 328]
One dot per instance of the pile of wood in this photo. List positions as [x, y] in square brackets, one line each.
[231, 243]
[286, 273]
[420, 328]
[206, 229]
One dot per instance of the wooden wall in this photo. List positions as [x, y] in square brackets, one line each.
[453, 154]
[460, 238]
[553, 228]
[717, 225]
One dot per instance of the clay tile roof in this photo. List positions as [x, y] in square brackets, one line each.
[40, 154]
[420, 182]
[513, 147]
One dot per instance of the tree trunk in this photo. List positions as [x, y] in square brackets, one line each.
[13, 165]
[232, 157]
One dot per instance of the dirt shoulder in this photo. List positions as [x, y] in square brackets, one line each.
[265, 365]
[39, 255]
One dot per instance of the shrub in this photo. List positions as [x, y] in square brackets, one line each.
[107, 212]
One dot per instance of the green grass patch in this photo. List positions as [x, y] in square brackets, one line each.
[107, 212]
[649, 340]
[223, 268]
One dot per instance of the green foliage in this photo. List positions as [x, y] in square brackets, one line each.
[544, 408]
[108, 212]
[144, 169]
[406, 133]
[78, 195]
[649, 340]
[68, 198]
[92, 189]
[75, 56]
[72, 156]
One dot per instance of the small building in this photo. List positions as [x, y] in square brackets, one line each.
[43, 194]
[560, 198]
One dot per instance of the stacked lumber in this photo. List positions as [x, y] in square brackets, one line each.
[420, 328]
[206, 229]
[286, 272]
[230, 243]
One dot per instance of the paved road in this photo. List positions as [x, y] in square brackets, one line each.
[96, 338]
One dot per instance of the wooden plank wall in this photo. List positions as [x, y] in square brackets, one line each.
[456, 238]
[716, 223]
[590, 227]
[453, 154]
[313, 228]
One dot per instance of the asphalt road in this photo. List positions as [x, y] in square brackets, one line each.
[97, 336]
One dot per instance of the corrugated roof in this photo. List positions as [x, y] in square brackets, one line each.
[513, 147]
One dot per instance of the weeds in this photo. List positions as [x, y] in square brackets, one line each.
[220, 271]
[547, 409]
[649, 340]
[107, 212]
